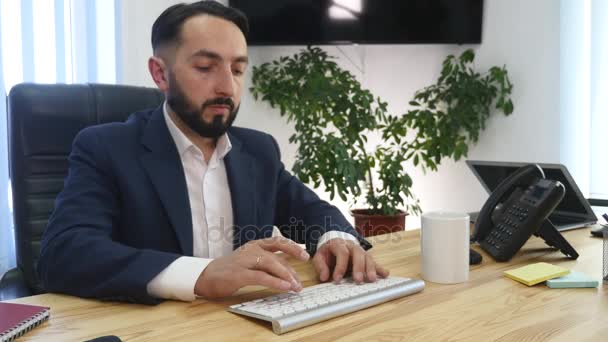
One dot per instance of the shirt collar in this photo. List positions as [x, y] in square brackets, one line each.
[182, 142]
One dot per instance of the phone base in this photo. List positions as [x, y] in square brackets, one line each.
[554, 238]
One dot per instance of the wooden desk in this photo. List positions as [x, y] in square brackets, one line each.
[489, 307]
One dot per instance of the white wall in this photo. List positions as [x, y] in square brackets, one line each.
[137, 17]
[522, 34]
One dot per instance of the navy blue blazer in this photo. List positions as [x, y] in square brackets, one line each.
[124, 213]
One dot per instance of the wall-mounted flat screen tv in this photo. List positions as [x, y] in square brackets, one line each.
[306, 22]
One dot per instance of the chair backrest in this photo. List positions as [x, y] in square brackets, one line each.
[43, 121]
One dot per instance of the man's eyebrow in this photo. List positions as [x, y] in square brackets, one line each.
[242, 59]
[215, 56]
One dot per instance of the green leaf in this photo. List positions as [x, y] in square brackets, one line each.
[508, 107]
[467, 56]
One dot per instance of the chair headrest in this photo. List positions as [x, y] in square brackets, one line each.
[52, 114]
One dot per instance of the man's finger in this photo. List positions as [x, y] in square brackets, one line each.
[289, 268]
[358, 264]
[382, 271]
[284, 245]
[321, 265]
[370, 268]
[342, 257]
[251, 277]
[271, 264]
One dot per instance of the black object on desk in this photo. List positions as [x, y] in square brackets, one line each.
[109, 338]
[474, 257]
[599, 231]
[517, 209]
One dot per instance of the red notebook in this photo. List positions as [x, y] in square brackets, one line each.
[17, 319]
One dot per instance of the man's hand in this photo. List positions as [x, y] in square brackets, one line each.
[252, 264]
[339, 254]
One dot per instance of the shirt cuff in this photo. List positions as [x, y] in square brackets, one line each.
[335, 234]
[177, 281]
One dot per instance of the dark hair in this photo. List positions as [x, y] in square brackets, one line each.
[168, 25]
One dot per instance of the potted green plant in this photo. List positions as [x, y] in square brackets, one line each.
[334, 115]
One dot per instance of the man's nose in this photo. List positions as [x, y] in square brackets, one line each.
[225, 84]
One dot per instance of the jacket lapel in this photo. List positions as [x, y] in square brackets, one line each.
[164, 167]
[240, 171]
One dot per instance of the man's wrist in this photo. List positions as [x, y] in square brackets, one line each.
[200, 285]
[178, 280]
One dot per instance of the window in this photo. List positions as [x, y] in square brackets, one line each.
[63, 41]
[599, 98]
[584, 93]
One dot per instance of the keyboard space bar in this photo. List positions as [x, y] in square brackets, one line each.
[299, 320]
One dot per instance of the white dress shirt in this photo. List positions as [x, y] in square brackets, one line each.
[212, 216]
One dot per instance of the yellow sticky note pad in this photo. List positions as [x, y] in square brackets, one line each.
[536, 273]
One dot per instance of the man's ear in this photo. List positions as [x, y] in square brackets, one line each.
[158, 68]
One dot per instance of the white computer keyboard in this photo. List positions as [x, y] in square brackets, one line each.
[291, 310]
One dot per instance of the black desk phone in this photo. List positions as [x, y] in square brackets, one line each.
[516, 210]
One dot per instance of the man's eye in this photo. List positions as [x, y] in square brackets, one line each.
[203, 69]
[237, 72]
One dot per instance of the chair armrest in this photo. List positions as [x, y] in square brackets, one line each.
[13, 285]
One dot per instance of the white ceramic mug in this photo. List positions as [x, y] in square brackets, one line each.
[445, 247]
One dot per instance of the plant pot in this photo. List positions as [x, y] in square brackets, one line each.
[374, 224]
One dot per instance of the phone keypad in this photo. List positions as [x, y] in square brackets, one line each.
[518, 212]
[507, 227]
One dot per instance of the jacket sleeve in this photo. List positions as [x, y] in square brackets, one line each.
[302, 216]
[78, 253]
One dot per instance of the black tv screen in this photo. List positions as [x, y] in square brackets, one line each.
[305, 22]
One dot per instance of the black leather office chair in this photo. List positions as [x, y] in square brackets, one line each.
[43, 121]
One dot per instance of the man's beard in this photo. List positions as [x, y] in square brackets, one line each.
[193, 117]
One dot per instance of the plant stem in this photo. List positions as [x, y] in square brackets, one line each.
[369, 169]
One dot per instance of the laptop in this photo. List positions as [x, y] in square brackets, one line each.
[572, 212]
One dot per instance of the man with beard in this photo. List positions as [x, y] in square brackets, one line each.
[176, 203]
